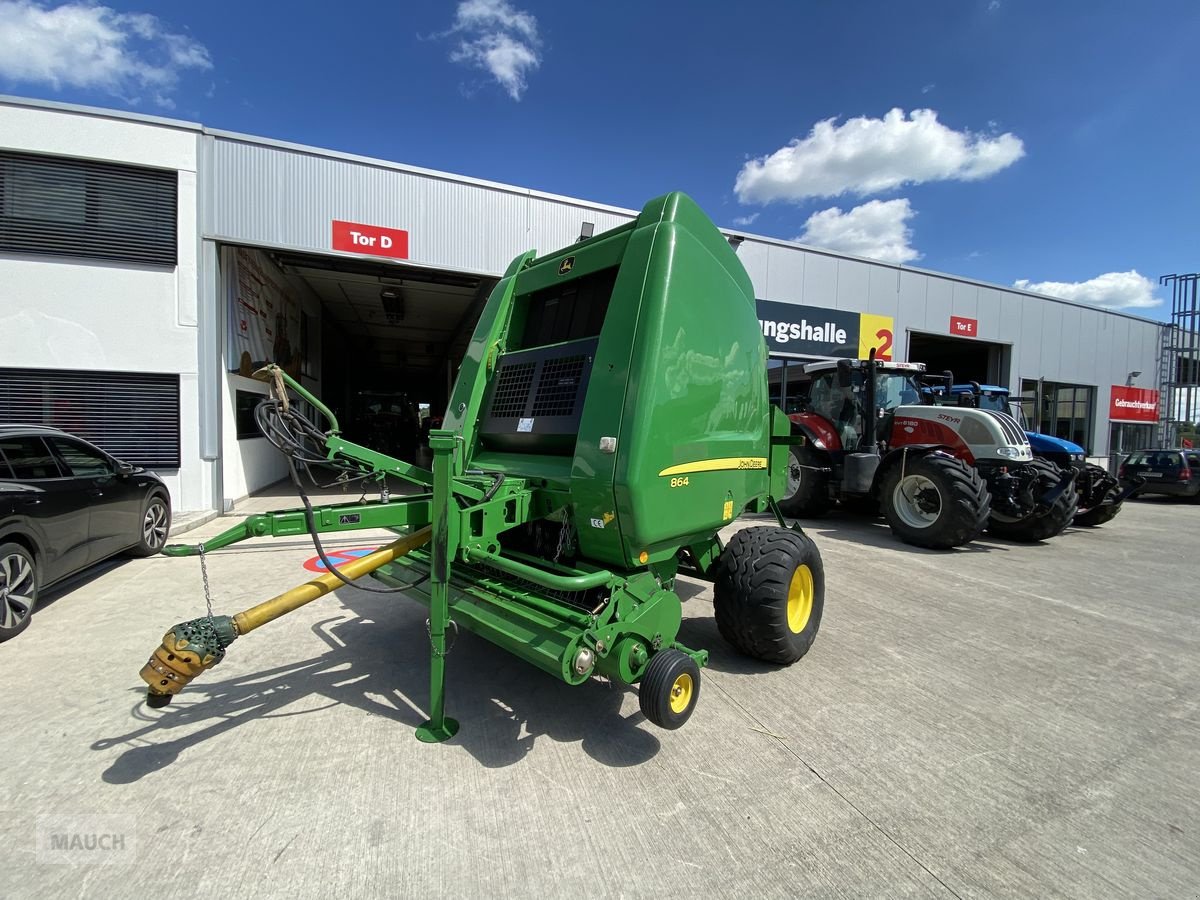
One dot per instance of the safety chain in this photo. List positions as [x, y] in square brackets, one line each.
[429, 633]
[204, 576]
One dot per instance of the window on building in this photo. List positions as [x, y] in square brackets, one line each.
[57, 206]
[132, 415]
[245, 403]
[1062, 410]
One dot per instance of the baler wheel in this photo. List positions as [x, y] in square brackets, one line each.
[669, 689]
[769, 593]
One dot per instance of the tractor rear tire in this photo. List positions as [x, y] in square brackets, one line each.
[769, 593]
[1042, 527]
[809, 497]
[937, 501]
[1104, 511]
[669, 689]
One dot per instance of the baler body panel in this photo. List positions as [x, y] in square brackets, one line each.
[638, 357]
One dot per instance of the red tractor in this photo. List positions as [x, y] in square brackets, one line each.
[939, 475]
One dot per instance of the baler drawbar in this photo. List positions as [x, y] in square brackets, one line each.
[609, 418]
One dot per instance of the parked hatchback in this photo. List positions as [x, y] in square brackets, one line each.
[65, 505]
[1163, 472]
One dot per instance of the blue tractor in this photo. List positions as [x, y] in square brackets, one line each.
[1100, 495]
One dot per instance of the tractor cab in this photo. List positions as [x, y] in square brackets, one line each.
[857, 394]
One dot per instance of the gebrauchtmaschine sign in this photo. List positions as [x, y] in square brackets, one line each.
[815, 331]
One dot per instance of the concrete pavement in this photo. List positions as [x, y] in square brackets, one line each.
[1001, 720]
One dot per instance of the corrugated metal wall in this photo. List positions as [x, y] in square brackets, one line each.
[284, 196]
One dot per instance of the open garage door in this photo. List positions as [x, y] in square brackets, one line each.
[969, 359]
[378, 341]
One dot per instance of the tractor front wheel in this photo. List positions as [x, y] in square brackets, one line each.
[669, 689]
[1041, 527]
[935, 501]
[807, 486]
[769, 593]
[1109, 505]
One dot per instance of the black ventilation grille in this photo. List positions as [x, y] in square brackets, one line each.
[536, 398]
[512, 390]
[558, 386]
[133, 416]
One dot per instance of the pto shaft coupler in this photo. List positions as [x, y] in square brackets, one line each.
[186, 650]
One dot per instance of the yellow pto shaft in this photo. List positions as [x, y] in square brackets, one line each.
[269, 610]
[189, 648]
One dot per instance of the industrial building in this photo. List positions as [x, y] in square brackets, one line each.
[149, 266]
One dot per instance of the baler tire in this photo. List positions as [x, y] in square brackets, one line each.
[769, 593]
[811, 498]
[1036, 528]
[669, 689]
[963, 499]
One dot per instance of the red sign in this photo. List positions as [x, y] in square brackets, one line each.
[372, 239]
[1185, 443]
[1130, 404]
[964, 327]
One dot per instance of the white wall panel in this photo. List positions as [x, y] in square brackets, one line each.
[820, 281]
[785, 273]
[853, 284]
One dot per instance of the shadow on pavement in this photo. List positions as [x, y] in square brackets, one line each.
[857, 528]
[378, 662]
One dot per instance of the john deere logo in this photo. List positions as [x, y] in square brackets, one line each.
[566, 265]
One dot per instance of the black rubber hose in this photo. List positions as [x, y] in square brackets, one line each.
[310, 521]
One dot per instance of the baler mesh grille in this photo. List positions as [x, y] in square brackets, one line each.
[558, 386]
[512, 390]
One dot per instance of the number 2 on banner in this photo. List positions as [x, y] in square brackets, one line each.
[875, 333]
[883, 350]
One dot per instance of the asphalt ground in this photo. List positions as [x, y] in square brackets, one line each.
[997, 721]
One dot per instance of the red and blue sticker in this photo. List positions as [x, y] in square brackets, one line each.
[339, 558]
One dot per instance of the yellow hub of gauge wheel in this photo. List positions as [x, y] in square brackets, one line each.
[800, 599]
[681, 693]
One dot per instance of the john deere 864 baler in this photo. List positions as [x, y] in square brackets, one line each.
[610, 416]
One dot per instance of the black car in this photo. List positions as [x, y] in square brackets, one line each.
[64, 505]
[1171, 471]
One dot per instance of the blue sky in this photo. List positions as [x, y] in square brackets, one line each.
[1054, 144]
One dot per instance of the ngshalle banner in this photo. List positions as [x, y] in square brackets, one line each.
[793, 330]
[1130, 404]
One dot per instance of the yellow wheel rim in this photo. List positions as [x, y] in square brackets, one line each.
[681, 693]
[800, 599]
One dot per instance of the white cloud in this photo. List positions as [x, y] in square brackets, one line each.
[745, 220]
[498, 39]
[1112, 290]
[83, 45]
[878, 229]
[867, 156]
[927, 88]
